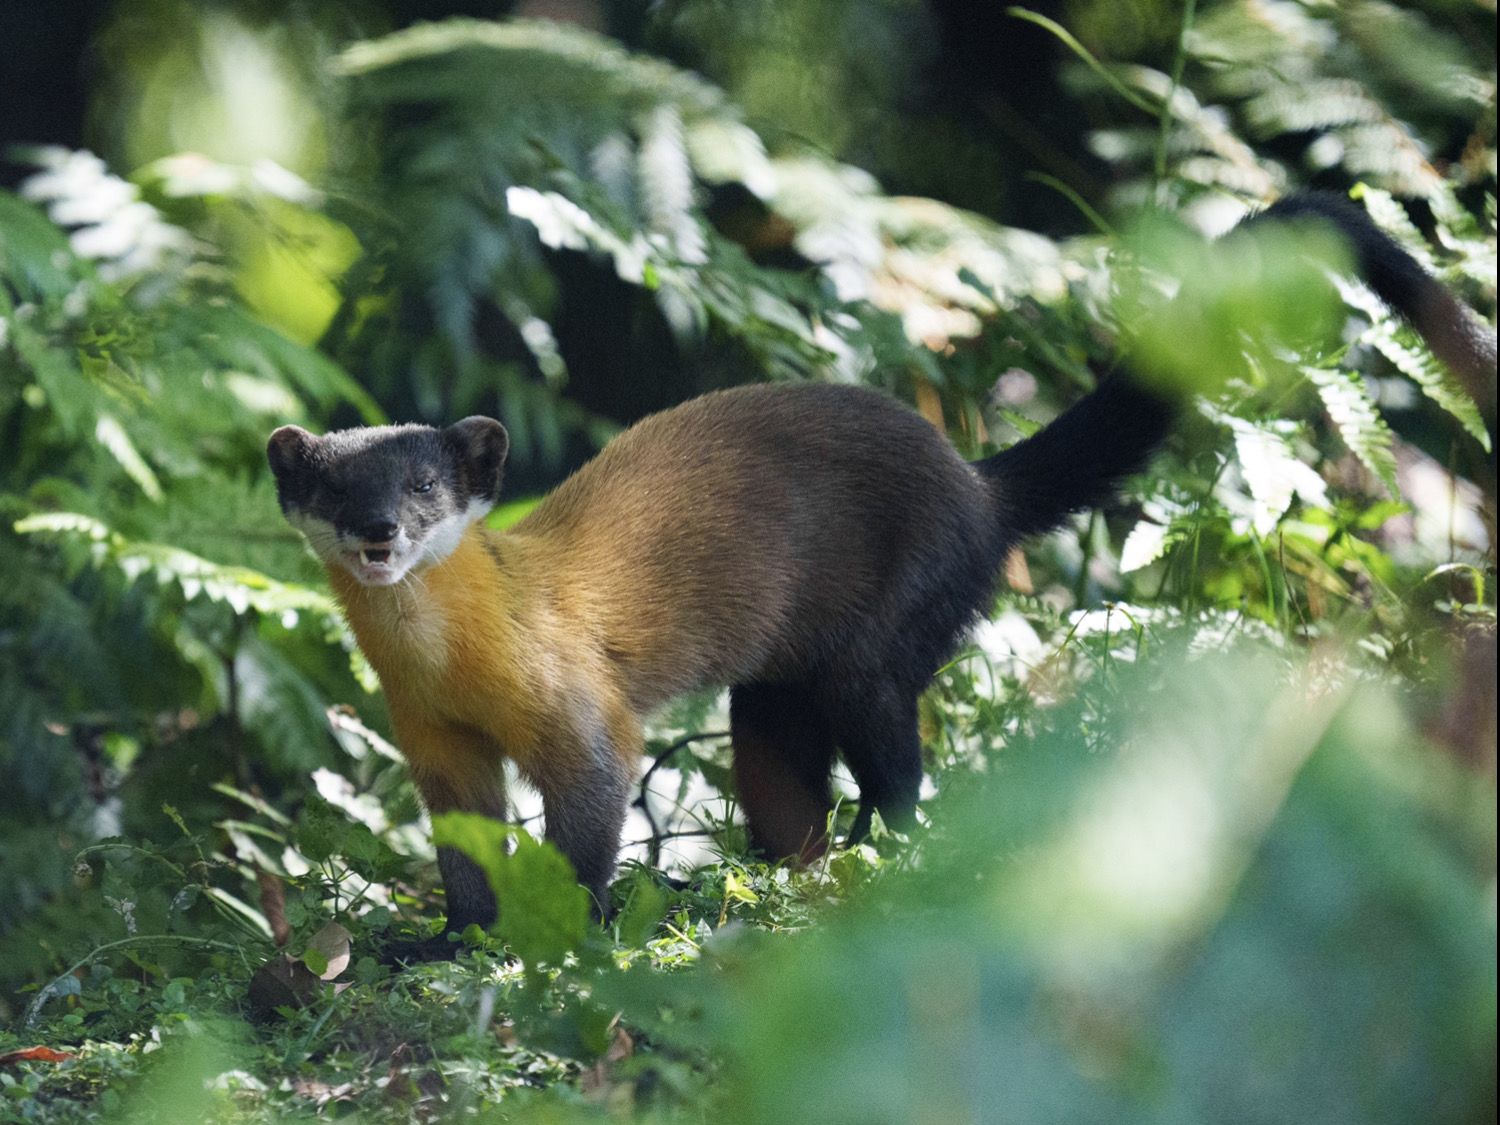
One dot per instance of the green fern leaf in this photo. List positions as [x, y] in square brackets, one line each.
[1392, 218]
[1312, 106]
[1272, 471]
[1404, 349]
[241, 588]
[1147, 542]
[110, 434]
[1359, 424]
[667, 184]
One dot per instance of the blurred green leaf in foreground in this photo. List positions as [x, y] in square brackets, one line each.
[1250, 896]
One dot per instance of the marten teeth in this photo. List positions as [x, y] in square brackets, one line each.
[373, 558]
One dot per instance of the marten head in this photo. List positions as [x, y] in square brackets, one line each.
[381, 500]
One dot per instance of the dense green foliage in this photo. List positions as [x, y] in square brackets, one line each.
[1211, 828]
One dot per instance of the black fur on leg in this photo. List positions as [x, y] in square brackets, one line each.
[585, 814]
[875, 725]
[783, 750]
[471, 901]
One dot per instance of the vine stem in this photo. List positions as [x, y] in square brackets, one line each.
[1178, 64]
[1071, 42]
[1100, 223]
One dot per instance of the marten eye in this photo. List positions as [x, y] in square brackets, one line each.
[425, 486]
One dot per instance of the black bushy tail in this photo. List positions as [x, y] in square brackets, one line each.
[1079, 460]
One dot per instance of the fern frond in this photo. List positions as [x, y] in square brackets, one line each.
[280, 706]
[113, 437]
[1471, 247]
[241, 588]
[228, 336]
[1398, 342]
[1359, 424]
[1329, 75]
[1406, 351]
[726, 151]
[1201, 143]
[112, 226]
[1146, 542]
[563, 225]
[1272, 472]
[667, 184]
[549, 59]
[1392, 218]
[1387, 152]
[1312, 106]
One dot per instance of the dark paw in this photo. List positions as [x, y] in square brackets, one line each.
[442, 947]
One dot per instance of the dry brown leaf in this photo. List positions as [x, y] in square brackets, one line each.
[273, 904]
[332, 941]
[35, 1054]
[283, 982]
[287, 982]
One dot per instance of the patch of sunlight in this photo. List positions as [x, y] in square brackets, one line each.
[228, 91]
[288, 268]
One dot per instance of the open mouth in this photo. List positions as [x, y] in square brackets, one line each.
[375, 566]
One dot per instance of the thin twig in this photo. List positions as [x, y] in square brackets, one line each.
[685, 740]
[1100, 222]
[644, 805]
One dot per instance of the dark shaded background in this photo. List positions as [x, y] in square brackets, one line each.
[991, 76]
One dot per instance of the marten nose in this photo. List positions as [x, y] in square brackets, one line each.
[378, 531]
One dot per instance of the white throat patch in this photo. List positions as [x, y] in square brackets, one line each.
[447, 533]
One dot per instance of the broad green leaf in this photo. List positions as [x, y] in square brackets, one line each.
[327, 953]
[1235, 306]
[544, 913]
[737, 889]
[643, 912]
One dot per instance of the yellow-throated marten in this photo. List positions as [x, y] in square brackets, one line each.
[820, 549]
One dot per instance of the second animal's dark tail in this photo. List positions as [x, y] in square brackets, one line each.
[1455, 335]
[1079, 460]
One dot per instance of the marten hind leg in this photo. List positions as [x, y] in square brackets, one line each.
[875, 726]
[783, 751]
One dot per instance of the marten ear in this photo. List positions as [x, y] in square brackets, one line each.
[479, 445]
[288, 450]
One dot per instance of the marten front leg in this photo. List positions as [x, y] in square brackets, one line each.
[456, 769]
[585, 791]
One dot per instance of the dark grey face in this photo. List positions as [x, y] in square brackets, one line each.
[381, 500]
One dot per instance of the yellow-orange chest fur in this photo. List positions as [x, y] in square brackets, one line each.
[447, 642]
